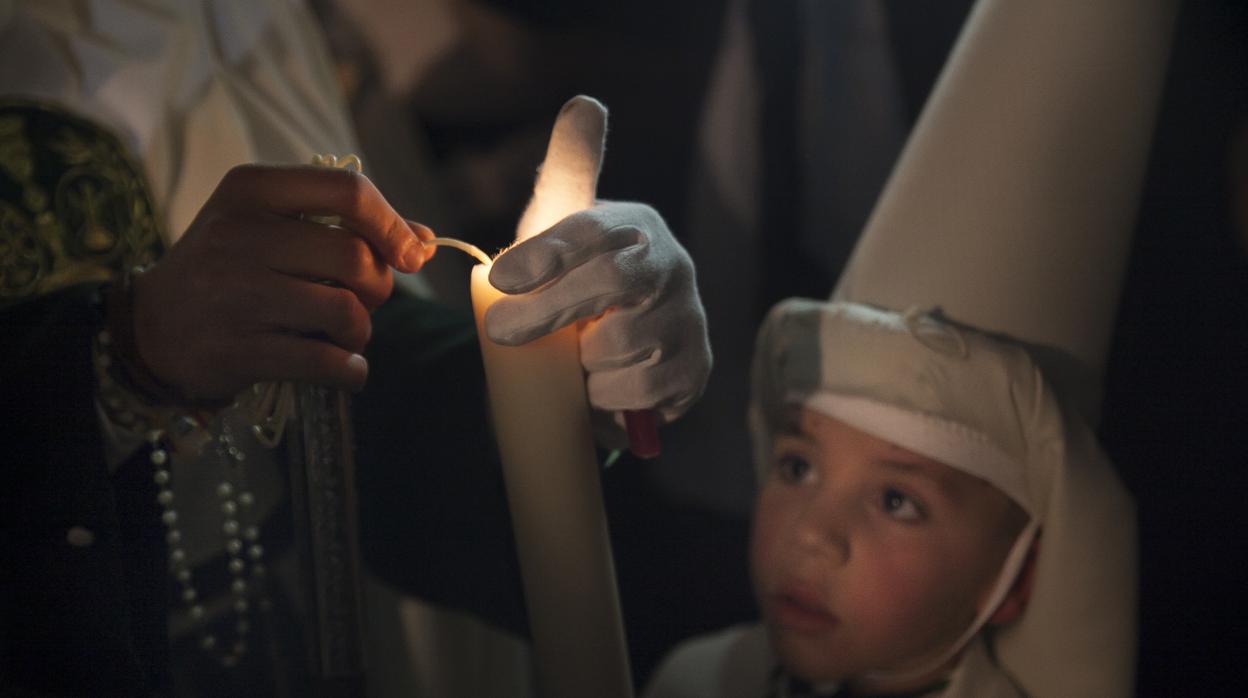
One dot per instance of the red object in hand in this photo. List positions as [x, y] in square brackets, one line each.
[643, 432]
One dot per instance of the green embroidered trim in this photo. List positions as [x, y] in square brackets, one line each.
[73, 206]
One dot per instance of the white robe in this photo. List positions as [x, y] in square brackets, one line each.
[738, 663]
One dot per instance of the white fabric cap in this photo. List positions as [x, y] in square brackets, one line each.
[936, 437]
[910, 379]
[980, 404]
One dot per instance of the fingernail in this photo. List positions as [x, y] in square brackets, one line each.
[414, 256]
[358, 366]
[421, 230]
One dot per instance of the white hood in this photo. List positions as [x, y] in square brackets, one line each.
[981, 404]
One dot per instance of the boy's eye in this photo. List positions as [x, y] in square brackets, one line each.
[792, 468]
[901, 506]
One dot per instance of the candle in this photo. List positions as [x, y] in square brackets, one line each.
[541, 419]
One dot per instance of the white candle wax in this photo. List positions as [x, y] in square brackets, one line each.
[541, 420]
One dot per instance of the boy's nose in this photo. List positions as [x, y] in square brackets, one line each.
[823, 528]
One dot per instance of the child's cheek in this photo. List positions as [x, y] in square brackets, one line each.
[909, 601]
[762, 545]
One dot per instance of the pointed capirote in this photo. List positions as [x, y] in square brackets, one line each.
[1012, 205]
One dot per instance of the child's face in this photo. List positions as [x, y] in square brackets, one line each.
[869, 557]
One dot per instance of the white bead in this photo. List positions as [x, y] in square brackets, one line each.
[246, 499]
[236, 566]
[159, 456]
[177, 556]
[170, 517]
[173, 537]
[165, 497]
[229, 508]
[208, 642]
[255, 552]
[225, 489]
[105, 338]
[234, 546]
[189, 595]
[161, 477]
[79, 536]
[251, 533]
[239, 586]
[197, 611]
[183, 575]
[240, 605]
[230, 527]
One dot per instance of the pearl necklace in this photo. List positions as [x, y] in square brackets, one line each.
[238, 528]
[270, 407]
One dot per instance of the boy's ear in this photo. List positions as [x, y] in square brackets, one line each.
[1016, 601]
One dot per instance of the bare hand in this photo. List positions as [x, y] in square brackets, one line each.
[240, 298]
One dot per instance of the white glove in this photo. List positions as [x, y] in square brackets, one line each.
[617, 266]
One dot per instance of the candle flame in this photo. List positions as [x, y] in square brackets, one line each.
[568, 178]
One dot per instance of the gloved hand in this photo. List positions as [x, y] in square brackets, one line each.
[617, 267]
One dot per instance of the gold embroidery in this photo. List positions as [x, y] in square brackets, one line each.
[73, 206]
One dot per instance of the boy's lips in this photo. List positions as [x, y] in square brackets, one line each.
[800, 610]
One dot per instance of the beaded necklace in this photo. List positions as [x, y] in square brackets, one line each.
[193, 435]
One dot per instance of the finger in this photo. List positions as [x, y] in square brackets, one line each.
[309, 308]
[314, 251]
[275, 356]
[424, 234]
[292, 191]
[637, 360]
[584, 292]
[566, 245]
[621, 337]
[661, 384]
